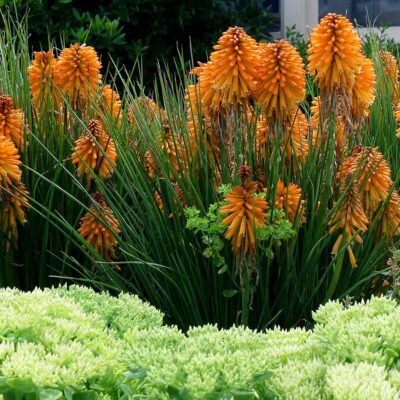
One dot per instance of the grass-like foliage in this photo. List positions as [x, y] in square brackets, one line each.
[154, 212]
[77, 344]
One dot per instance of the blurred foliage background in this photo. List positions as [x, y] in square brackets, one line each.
[124, 30]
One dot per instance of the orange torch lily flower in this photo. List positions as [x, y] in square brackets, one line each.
[11, 121]
[245, 212]
[78, 73]
[289, 199]
[99, 228]
[10, 172]
[349, 218]
[391, 71]
[281, 79]
[372, 173]
[334, 54]
[363, 90]
[95, 152]
[43, 79]
[390, 222]
[230, 76]
[13, 205]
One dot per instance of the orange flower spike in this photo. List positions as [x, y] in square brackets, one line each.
[390, 222]
[349, 218]
[295, 140]
[391, 71]
[43, 78]
[373, 176]
[78, 72]
[229, 78]
[94, 230]
[334, 53]
[193, 107]
[193, 100]
[167, 142]
[89, 155]
[289, 199]
[11, 121]
[245, 213]
[12, 211]
[10, 172]
[170, 144]
[262, 132]
[112, 104]
[364, 89]
[149, 164]
[281, 79]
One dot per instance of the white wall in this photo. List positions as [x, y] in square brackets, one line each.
[302, 13]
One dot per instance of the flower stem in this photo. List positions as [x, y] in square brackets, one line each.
[336, 271]
[246, 292]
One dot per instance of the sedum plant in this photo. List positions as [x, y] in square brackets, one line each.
[72, 343]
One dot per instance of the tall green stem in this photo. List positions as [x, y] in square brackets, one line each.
[336, 271]
[246, 293]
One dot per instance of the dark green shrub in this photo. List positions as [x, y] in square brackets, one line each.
[153, 29]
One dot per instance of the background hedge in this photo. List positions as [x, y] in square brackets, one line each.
[152, 29]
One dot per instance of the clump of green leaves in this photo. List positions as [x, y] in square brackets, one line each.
[272, 234]
[211, 230]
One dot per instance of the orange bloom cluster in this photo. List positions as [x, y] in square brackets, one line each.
[240, 70]
[13, 205]
[390, 223]
[281, 79]
[345, 76]
[75, 75]
[100, 228]
[349, 218]
[334, 53]
[95, 152]
[10, 172]
[295, 140]
[372, 174]
[288, 198]
[363, 94]
[365, 184]
[229, 78]
[391, 71]
[43, 79]
[11, 121]
[13, 193]
[168, 143]
[245, 212]
[111, 104]
[78, 70]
